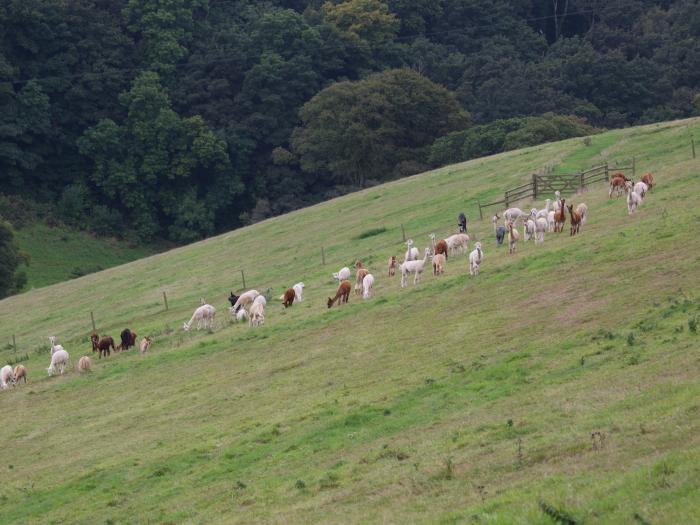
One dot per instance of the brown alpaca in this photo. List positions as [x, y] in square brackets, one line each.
[575, 220]
[343, 294]
[560, 217]
[20, 373]
[441, 247]
[361, 273]
[648, 179]
[513, 237]
[104, 345]
[94, 339]
[439, 263]
[617, 183]
[358, 265]
[288, 297]
[392, 265]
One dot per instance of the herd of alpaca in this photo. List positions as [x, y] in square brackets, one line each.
[250, 306]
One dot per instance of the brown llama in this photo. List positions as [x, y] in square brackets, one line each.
[617, 183]
[392, 265]
[359, 277]
[95, 340]
[20, 373]
[560, 217]
[342, 295]
[288, 297]
[648, 179]
[104, 345]
[575, 219]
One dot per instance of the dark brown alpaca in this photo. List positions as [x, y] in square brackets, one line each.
[560, 217]
[343, 294]
[104, 345]
[95, 339]
[288, 297]
[575, 220]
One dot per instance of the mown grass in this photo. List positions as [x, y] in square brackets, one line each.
[461, 400]
[58, 253]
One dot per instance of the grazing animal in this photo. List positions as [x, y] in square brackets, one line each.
[513, 237]
[641, 188]
[232, 299]
[343, 274]
[500, 234]
[298, 291]
[560, 217]
[7, 375]
[358, 265]
[367, 286]
[341, 295]
[260, 299]
[95, 340]
[84, 364]
[513, 214]
[440, 246]
[288, 297]
[104, 345]
[461, 223]
[415, 267]
[411, 252]
[59, 360]
[245, 299]
[550, 221]
[617, 183]
[575, 220]
[648, 179]
[475, 259]
[528, 229]
[145, 345]
[458, 241]
[257, 313]
[54, 347]
[359, 277]
[20, 373]
[242, 315]
[582, 210]
[634, 200]
[128, 339]
[392, 265]
[540, 227]
[543, 213]
[204, 315]
[439, 261]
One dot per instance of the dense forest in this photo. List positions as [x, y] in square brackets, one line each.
[176, 119]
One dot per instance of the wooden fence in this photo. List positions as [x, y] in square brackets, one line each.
[548, 184]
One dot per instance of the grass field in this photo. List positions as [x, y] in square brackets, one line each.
[59, 253]
[559, 386]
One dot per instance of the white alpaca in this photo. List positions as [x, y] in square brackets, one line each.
[458, 241]
[513, 214]
[641, 188]
[7, 375]
[367, 286]
[260, 299]
[411, 252]
[633, 201]
[540, 227]
[204, 315]
[54, 347]
[257, 314]
[298, 291]
[582, 210]
[343, 274]
[59, 360]
[475, 259]
[84, 364]
[557, 200]
[528, 229]
[550, 221]
[414, 267]
[245, 299]
[544, 213]
[242, 315]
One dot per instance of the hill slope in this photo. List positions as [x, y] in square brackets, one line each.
[458, 400]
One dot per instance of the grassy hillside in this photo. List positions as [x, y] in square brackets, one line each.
[58, 254]
[460, 400]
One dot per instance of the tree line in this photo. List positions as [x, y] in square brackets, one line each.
[177, 119]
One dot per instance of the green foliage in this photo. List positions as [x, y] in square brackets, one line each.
[11, 278]
[355, 131]
[505, 135]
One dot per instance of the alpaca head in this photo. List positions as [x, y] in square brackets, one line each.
[185, 327]
[409, 242]
[478, 246]
[330, 302]
[571, 208]
[432, 237]
[52, 340]
[232, 298]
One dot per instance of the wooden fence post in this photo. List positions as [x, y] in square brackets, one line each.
[481, 215]
[607, 174]
[692, 145]
[580, 181]
[403, 233]
[165, 300]
[243, 278]
[534, 186]
[505, 199]
[323, 256]
[92, 318]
